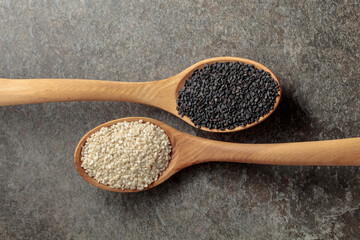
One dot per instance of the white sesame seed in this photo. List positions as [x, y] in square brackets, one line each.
[127, 155]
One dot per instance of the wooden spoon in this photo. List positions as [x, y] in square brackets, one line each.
[188, 150]
[161, 94]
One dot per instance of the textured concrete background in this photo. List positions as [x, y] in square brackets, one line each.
[314, 49]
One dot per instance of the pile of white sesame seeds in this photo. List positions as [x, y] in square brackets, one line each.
[127, 155]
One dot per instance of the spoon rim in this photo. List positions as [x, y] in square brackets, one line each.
[187, 73]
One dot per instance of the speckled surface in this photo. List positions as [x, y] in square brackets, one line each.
[314, 49]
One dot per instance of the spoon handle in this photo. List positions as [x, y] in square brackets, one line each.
[344, 152]
[26, 91]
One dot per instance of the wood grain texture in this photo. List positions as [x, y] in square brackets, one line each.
[189, 150]
[161, 94]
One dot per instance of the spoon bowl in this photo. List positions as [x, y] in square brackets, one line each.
[161, 94]
[183, 76]
[189, 150]
[169, 171]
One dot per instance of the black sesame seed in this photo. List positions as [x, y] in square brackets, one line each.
[227, 95]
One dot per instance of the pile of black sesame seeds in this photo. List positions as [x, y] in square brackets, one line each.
[227, 95]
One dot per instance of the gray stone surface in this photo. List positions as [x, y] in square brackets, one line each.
[314, 49]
